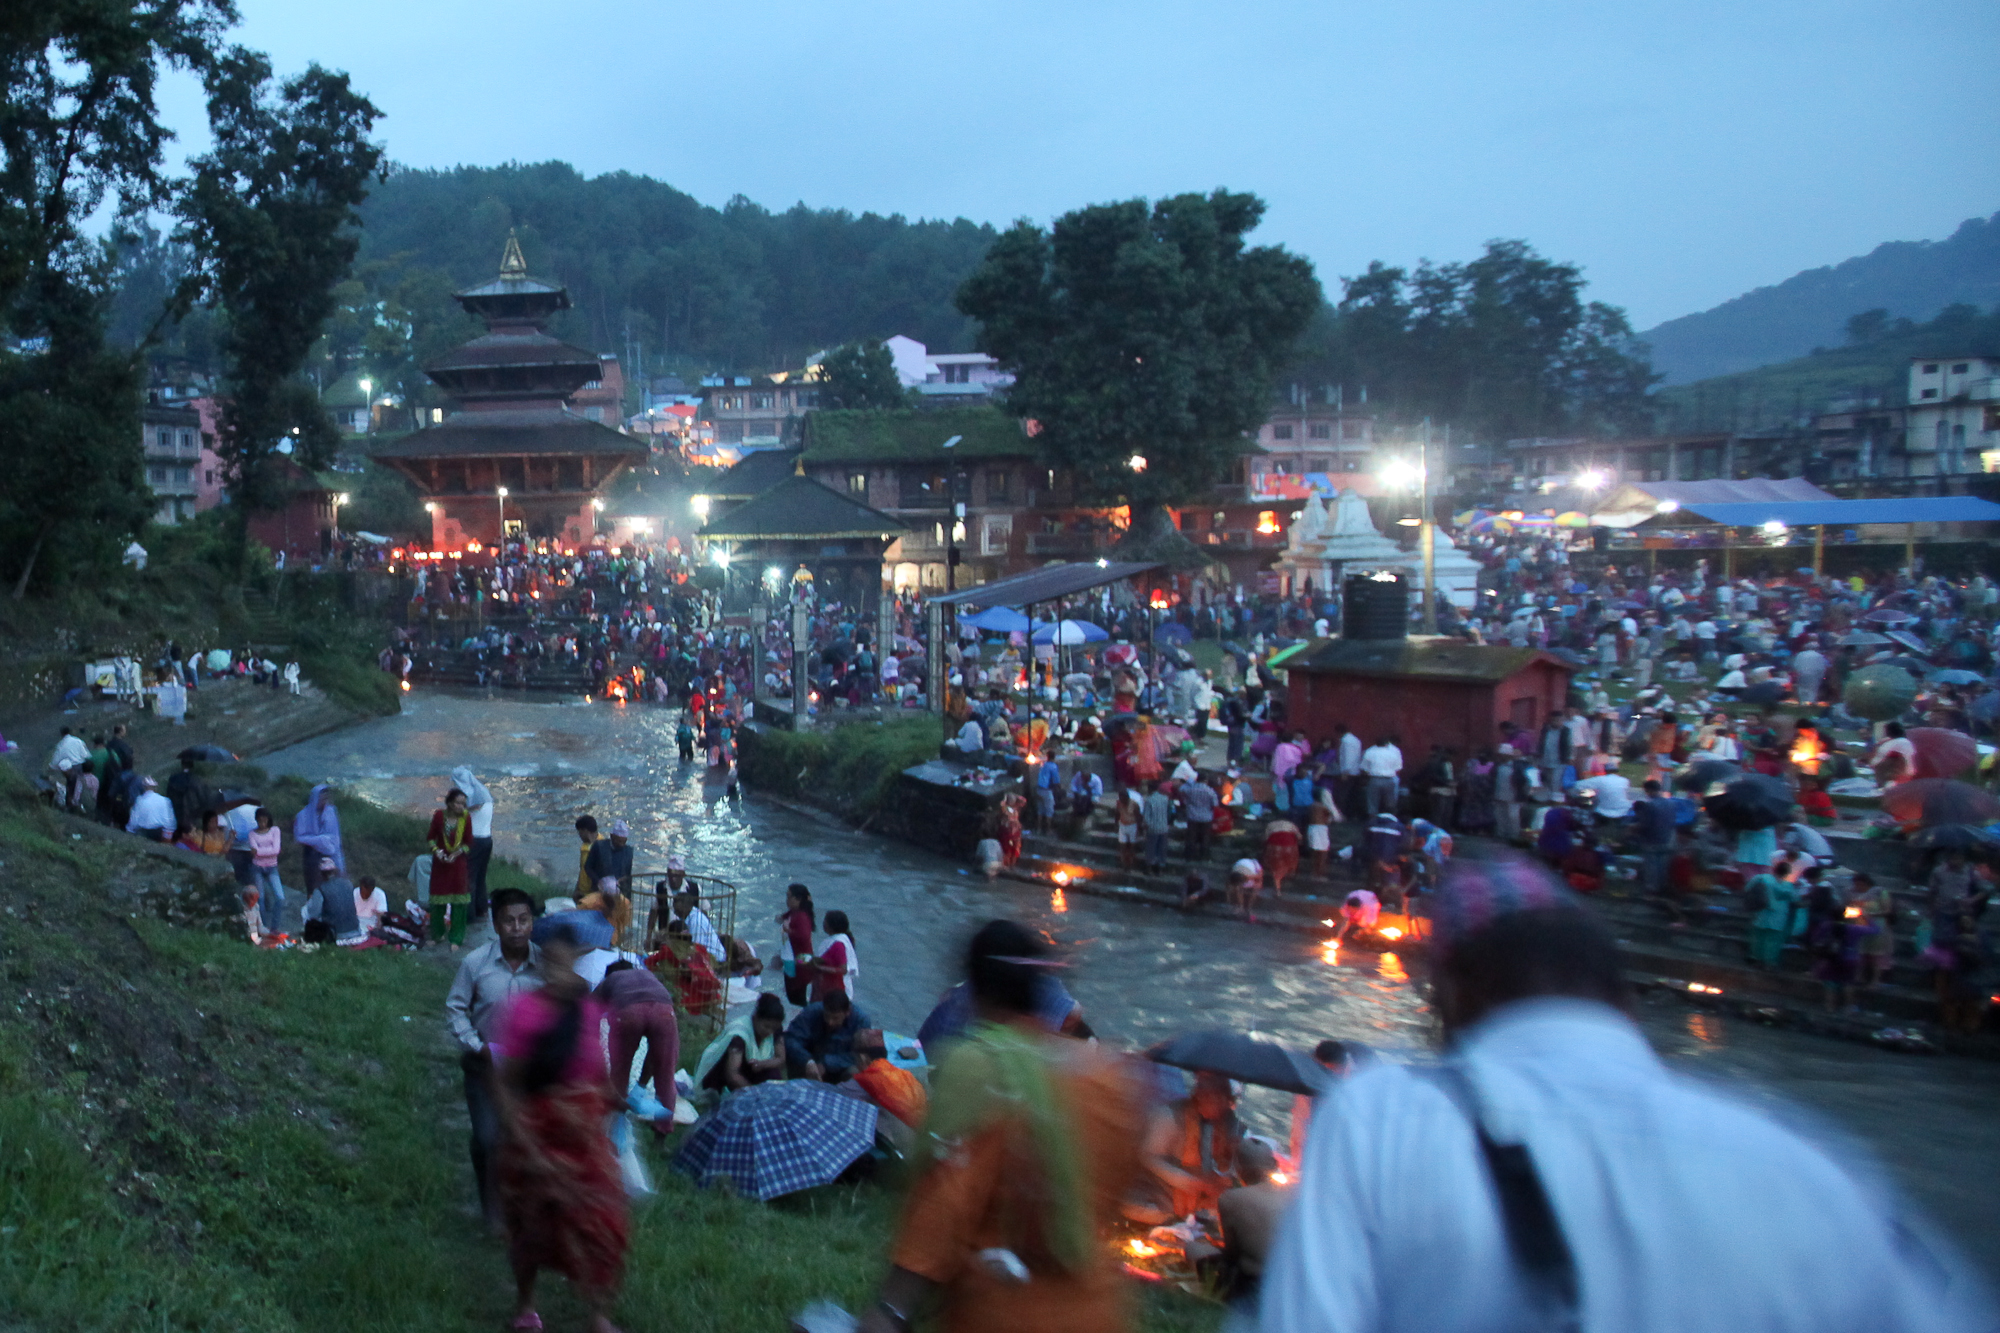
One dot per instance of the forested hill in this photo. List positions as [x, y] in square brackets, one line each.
[1908, 279]
[737, 286]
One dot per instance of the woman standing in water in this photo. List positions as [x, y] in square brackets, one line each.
[561, 1191]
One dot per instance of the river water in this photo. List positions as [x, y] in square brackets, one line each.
[1141, 973]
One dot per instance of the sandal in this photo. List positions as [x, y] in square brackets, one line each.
[526, 1322]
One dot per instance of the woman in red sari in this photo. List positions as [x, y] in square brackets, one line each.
[451, 885]
[1011, 806]
[1281, 853]
[797, 923]
[561, 1191]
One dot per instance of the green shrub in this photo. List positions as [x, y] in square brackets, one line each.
[853, 767]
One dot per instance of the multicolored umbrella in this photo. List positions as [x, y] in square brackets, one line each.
[1934, 801]
[1572, 519]
[1070, 632]
[778, 1138]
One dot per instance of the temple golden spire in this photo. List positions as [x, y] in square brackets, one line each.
[512, 265]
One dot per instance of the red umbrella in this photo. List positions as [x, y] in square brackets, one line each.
[1940, 801]
[1941, 752]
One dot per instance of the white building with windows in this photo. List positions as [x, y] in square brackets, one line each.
[1954, 416]
[172, 444]
[955, 378]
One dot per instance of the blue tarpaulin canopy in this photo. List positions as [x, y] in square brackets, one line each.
[1847, 513]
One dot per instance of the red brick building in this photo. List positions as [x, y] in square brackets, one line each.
[1423, 692]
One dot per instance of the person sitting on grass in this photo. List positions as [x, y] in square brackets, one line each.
[745, 1052]
[895, 1090]
[819, 1044]
[329, 911]
[1249, 1213]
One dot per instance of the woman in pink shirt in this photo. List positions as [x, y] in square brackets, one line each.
[266, 841]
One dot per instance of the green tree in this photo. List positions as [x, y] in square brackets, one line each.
[1140, 332]
[861, 375]
[79, 131]
[271, 213]
[1506, 345]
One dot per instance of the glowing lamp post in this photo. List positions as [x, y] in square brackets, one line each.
[502, 493]
[1403, 475]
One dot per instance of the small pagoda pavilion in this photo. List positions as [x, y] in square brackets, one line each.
[513, 459]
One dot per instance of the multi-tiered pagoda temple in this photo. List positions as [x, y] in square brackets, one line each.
[512, 457]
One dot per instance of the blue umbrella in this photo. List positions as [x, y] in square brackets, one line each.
[1071, 632]
[593, 931]
[1174, 632]
[778, 1138]
[999, 619]
[1956, 676]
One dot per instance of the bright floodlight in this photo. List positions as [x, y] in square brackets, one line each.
[1774, 526]
[597, 503]
[503, 492]
[1401, 473]
[1137, 462]
[367, 387]
[721, 557]
[1667, 506]
[700, 506]
[1593, 478]
[342, 498]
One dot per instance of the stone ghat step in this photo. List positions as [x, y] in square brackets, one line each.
[1889, 1004]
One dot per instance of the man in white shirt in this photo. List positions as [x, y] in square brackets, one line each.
[67, 763]
[1633, 1199]
[152, 815]
[1382, 765]
[1704, 638]
[1612, 793]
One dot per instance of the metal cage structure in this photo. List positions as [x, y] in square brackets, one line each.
[649, 916]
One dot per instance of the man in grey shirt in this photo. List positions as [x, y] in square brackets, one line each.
[491, 975]
[332, 905]
[1156, 815]
[1198, 801]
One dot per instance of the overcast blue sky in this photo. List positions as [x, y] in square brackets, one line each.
[1682, 151]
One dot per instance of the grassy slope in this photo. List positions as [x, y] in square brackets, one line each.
[198, 1135]
[184, 594]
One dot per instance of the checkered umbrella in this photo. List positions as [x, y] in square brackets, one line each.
[778, 1138]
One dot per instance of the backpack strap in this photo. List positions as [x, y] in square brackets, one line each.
[1535, 1238]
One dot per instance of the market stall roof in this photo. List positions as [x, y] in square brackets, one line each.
[1048, 583]
[1847, 513]
[1636, 501]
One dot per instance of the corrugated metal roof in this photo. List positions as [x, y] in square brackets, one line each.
[1047, 584]
[1847, 513]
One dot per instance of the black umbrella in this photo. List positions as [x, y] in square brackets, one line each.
[1956, 837]
[1705, 773]
[1750, 801]
[208, 754]
[1244, 1058]
[1763, 692]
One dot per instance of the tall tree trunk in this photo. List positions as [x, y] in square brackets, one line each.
[34, 553]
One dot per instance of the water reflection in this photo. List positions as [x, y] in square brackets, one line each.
[1143, 974]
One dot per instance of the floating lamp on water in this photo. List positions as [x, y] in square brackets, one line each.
[1060, 877]
[1392, 933]
[1329, 952]
[1281, 1178]
[1058, 901]
[1139, 1249]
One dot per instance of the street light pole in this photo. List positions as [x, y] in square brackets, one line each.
[1427, 533]
[501, 544]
